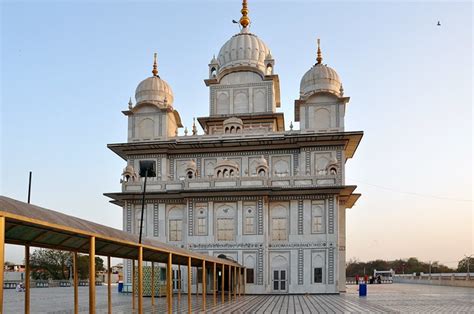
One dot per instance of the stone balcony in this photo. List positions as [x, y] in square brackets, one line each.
[156, 184]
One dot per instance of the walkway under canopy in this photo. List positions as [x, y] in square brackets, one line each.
[30, 225]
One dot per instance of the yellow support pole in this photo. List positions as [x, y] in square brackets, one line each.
[76, 283]
[179, 284]
[234, 283]
[92, 275]
[27, 279]
[214, 284]
[133, 284]
[152, 284]
[189, 284]
[241, 281]
[2, 258]
[238, 281]
[245, 278]
[204, 285]
[197, 282]
[223, 284]
[230, 282]
[109, 285]
[140, 279]
[169, 279]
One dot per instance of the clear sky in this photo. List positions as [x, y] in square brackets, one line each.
[69, 68]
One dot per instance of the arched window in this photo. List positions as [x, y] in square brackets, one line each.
[232, 129]
[226, 130]
[317, 219]
[213, 72]
[269, 69]
[333, 170]
[218, 173]
[225, 223]
[231, 172]
[225, 173]
[261, 172]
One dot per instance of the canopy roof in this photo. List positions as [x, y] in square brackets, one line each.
[27, 224]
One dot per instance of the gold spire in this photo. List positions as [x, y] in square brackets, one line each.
[244, 20]
[155, 66]
[319, 59]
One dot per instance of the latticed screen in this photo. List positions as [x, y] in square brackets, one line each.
[279, 229]
[317, 224]
[202, 226]
[249, 225]
[225, 229]
[175, 230]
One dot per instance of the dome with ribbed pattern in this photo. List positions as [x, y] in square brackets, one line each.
[320, 78]
[243, 50]
[154, 90]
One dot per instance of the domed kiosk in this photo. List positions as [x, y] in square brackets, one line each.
[153, 116]
[321, 105]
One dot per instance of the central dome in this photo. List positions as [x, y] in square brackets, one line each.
[243, 50]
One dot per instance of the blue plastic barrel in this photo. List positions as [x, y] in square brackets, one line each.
[362, 289]
[120, 286]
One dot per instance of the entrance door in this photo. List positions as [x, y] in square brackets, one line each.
[279, 280]
[176, 277]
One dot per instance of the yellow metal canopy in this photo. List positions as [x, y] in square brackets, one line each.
[27, 224]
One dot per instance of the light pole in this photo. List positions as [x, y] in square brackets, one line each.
[468, 262]
[148, 170]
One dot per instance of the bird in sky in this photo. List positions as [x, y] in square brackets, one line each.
[439, 24]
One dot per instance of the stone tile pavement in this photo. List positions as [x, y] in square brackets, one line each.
[402, 298]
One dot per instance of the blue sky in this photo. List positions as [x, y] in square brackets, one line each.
[68, 68]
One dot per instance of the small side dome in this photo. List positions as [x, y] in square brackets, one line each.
[226, 168]
[320, 78]
[233, 125]
[191, 169]
[191, 165]
[129, 174]
[154, 90]
[262, 162]
[262, 167]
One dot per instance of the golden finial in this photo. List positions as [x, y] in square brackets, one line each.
[244, 20]
[319, 59]
[155, 66]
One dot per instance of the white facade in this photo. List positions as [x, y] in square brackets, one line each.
[272, 199]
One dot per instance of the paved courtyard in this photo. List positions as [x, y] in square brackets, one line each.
[381, 298]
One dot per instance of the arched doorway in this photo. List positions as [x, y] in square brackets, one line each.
[279, 274]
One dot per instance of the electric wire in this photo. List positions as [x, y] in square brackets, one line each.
[411, 193]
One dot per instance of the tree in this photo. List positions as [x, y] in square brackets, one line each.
[57, 265]
[83, 266]
[407, 266]
[50, 264]
[462, 264]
